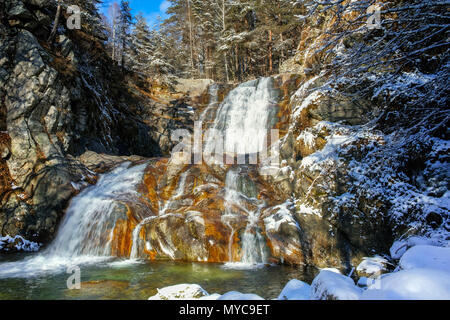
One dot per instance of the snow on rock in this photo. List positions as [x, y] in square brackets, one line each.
[282, 216]
[295, 290]
[234, 295]
[18, 243]
[400, 247]
[180, 292]
[306, 209]
[371, 266]
[416, 284]
[329, 285]
[427, 257]
[365, 282]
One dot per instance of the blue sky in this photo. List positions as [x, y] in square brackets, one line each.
[151, 9]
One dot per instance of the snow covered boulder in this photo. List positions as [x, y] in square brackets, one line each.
[295, 290]
[329, 285]
[234, 295]
[180, 292]
[399, 248]
[427, 257]
[372, 266]
[416, 284]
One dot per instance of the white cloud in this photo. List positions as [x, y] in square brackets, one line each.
[164, 6]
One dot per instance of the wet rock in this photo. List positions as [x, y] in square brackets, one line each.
[101, 163]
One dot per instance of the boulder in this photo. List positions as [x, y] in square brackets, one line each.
[295, 290]
[373, 266]
[180, 292]
[329, 285]
[101, 163]
[414, 284]
[428, 257]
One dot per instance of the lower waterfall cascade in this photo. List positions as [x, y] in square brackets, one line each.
[85, 234]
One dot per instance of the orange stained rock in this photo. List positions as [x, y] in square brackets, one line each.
[122, 236]
[216, 236]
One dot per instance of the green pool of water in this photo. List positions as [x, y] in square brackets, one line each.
[117, 280]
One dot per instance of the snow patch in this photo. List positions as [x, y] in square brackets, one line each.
[21, 244]
[180, 292]
[295, 290]
[426, 257]
[282, 216]
[329, 285]
[234, 295]
[417, 284]
[374, 265]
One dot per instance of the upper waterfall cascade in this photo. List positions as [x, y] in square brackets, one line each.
[246, 115]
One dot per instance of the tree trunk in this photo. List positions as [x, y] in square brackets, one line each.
[114, 34]
[224, 28]
[191, 42]
[236, 62]
[51, 38]
[270, 53]
[122, 57]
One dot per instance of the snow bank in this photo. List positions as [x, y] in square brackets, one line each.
[399, 248]
[180, 292]
[426, 257]
[295, 290]
[234, 295]
[417, 284]
[329, 285]
[19, 243]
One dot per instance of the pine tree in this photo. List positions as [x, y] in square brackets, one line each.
[140, 46]
[125, 23]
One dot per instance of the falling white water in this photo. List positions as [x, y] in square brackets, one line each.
[136, 232]
[253, 242]
[93, 213]
[179, 192]
[238, 191]
[85, 233]
[245, 116]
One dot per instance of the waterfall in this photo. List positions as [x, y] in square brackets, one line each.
[92, 214]
[244, 119]
[239, 191]
[179, 192]
[253, 242]
[85, 234]
[246, 115]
